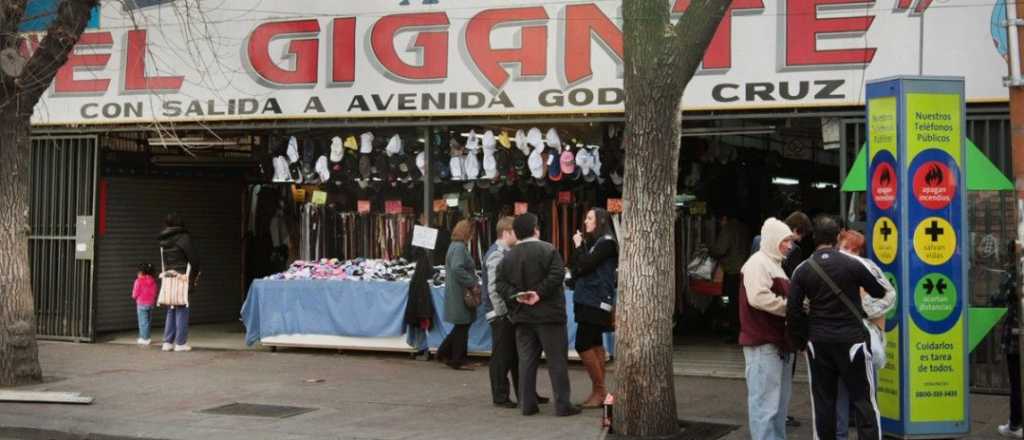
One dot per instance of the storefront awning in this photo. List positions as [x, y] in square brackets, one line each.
[982, 174]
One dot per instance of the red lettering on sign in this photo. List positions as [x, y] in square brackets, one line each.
[135, 77]
[934, 185]
[884, 186]
[582, 23]
[803, 26]
[304, 51]
[531, 55]
[65, 82]
[433, 45]
[719, 52]
[343, 55]
[922, 5]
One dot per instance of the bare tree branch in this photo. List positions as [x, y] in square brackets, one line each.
[693, 32]
[61, 36]
[11, 13]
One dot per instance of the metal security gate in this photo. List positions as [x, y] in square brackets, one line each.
[62, 207]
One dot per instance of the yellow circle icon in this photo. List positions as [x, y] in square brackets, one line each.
[934, 241]
[885, 240]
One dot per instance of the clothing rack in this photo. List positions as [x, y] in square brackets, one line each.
[330, 233]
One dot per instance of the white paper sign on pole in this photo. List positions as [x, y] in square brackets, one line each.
[424, 237]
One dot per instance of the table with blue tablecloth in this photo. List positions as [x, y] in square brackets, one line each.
[366, 314]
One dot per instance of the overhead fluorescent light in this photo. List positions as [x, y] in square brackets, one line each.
[785, 181]
[824, 185]
[189, 142]
[727, 131]
[186, 161]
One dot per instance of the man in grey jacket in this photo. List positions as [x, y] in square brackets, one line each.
[504, 360]
[530, 278]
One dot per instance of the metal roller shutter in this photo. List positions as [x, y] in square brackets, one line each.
[134, 213]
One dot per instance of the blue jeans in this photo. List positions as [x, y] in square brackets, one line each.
[143, 312]
[176, 325]
[769, 375]
[843, 408]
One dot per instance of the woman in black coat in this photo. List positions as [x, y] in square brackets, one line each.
[593, 267]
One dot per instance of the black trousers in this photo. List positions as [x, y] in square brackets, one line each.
[1013, 365]
[552, 339]
[453, 348]
[827, 364]
[504, 359]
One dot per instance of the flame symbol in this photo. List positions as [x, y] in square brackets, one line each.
[934, 176]
[885, 177]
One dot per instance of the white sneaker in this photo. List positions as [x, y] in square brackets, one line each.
[141, 341]
[1005, 431]
[167, 346]
[185, 347]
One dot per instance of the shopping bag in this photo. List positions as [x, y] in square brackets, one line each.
[173, 289]
[702, 266]
[705, 287]
[174, 285]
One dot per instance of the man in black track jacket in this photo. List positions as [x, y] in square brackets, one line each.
[837, 340]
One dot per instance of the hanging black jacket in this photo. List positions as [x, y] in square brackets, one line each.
[420, 305]
[178, 252]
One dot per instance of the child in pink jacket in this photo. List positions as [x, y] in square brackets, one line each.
[144, 294]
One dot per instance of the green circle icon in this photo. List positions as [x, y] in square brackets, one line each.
[896, 304]
[935, 297]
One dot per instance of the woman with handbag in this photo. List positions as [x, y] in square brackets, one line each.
[595, 260]
[462, 296]
[179, 274]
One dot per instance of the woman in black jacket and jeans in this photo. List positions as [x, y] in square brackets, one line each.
[594, 263]
[178, 255]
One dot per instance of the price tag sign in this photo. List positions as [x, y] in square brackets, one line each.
[319, 198]
[615, 206]
[699, 208]
[298, 194]
[424, 237]
[452, 200]
[564, 197]
[522, 208]
[393, 206]
[363, 206]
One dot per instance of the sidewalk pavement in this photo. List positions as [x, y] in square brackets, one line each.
[149, 394]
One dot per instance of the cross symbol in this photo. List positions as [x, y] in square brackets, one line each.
[935, 231]
[886, 231]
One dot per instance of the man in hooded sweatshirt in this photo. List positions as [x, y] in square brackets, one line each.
[762, 310]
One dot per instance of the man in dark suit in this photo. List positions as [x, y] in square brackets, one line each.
[530, 279]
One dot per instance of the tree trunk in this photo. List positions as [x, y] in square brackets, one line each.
[19, 356]
[646, 398]
[660, 60]
[21, 85]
